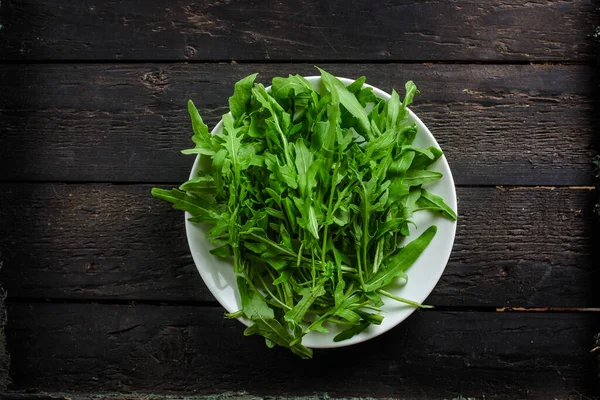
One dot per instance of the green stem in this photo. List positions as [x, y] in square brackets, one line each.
[402, 299]
[253, 287]
[365, 234]
[314, 269]
[233, 238]
[276, 246]
[299, 259]
[360, 268]
[277, 287]
[340, 322]
[282, 304]
[329, 207]
[378, 251]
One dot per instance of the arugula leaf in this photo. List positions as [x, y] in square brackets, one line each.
[185, 202]
[420, 177]
[397, 264]
[402, 163]
[411, 91]
[340, 94]
[393, 110]
[357, 85]
[238, 103]
[223, 251]
[282, 87]
[199, 184]
[276, 333]
[351, 332]
[429, 201]
[423, 160]
[309, 295]
[202, 138]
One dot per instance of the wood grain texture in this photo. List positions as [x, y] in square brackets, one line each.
[297, 30]
[432, 355]
[138, 396]
[511, 125]
[531, 247]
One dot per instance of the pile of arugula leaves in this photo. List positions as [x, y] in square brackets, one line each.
[310, 195]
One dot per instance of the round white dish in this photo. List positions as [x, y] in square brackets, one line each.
[423, 275]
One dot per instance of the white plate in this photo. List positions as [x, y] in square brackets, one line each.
[423, 275]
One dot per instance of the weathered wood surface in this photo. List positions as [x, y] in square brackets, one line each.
[529, 247]
[77, 256]
[140, 396]
[299, 30]
[511, 125]
[433, 355]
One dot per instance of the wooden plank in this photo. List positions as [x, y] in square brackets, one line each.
[153, 396]
[530, 247]
[298, 30]
[499, 125]
[432, 355]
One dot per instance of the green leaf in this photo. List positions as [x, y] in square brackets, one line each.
[420, 177]
[286, 239]
[254, 306]
[313, 225]
[274, 260]
[398, 189]
[218, 163]
[275, 213]
[409, 203]
[304, 157]
[275, 332]
[422, 160]
[194, 205]
[238, 103]
[390, 226]
[351, 332]
[282, 173]
[375, 298]
[340, 94]
[411, 91]
[375, 319]
[393, 110]
[356, 85]
[199, 184]
[401, 261]
[407, 134]
[223, 251]
[281, 87]
[429, 201]
[202, 138]
[348, 315]
[290, 210]
[309, 295]
[232, 142]
[284, 276]
[402, 163]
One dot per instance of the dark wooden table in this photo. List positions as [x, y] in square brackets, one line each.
[103, 295]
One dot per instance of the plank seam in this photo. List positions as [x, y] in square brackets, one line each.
[215, 304]
[323, 61]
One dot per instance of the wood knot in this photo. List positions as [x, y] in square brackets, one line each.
[189, 52]
[90, 268]
[156, 80]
